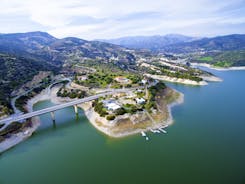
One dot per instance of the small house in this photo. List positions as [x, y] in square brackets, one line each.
[140, 100]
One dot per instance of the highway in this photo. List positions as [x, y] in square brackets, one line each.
[61, 106]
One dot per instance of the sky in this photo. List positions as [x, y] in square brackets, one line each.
[106, 19]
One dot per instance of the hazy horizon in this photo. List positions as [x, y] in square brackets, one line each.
[105, 19]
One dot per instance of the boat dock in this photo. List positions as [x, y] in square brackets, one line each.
[163, 131]
[158, 130]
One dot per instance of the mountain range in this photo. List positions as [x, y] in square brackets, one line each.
[153, 43]
[182, 44]
[43, 47]
[220, 43]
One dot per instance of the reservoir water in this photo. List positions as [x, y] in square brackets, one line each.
[205, 145]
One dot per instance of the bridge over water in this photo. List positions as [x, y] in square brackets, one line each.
[61, 106]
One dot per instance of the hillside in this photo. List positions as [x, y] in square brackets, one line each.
[57, 52]
[15, 71]
[220, 43]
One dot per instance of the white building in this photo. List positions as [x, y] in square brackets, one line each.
[140, 100]
[111, 105]
[144, 81]
[82, 78]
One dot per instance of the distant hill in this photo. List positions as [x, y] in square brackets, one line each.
[44, 47]
[24, 42]
[220, 43]
[153, 43]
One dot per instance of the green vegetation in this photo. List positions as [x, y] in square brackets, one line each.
[140, 94]
[153, 90]
[5, 110]
[13, 128]
[20, 102]
[99, 65]
[99, 108]
[110, 117]
[223, 64]
[102, 78]
[157, 68]
[183, 75]
[120, 111]
[128, 108]
[207, 58]
[98, 79]
[1, 125]
[131, 108]
[16, 71]
[71, 93]
[191, 74]
[222, 59]
[134, 78]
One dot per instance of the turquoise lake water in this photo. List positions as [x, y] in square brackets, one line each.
[205, 145]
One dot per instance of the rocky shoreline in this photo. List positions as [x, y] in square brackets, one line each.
[177, 80]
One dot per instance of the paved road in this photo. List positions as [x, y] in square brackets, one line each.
[61, 106]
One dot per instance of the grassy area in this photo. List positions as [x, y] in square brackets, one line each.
[102, 78]
[191, 74]
[223, 64]
[99, 108]
[207, 58]
[71, 93]
[222, 59]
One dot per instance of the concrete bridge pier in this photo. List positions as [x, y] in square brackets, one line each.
[52, 116]
[75, 109]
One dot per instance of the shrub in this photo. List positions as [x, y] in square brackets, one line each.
[110, 117]
[120, 111]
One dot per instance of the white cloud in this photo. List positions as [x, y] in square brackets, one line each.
[111, 18]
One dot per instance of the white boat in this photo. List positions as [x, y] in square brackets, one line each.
[26, 132]
[147, 138]
[143, 134]
[157, 131]
[164, 131]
